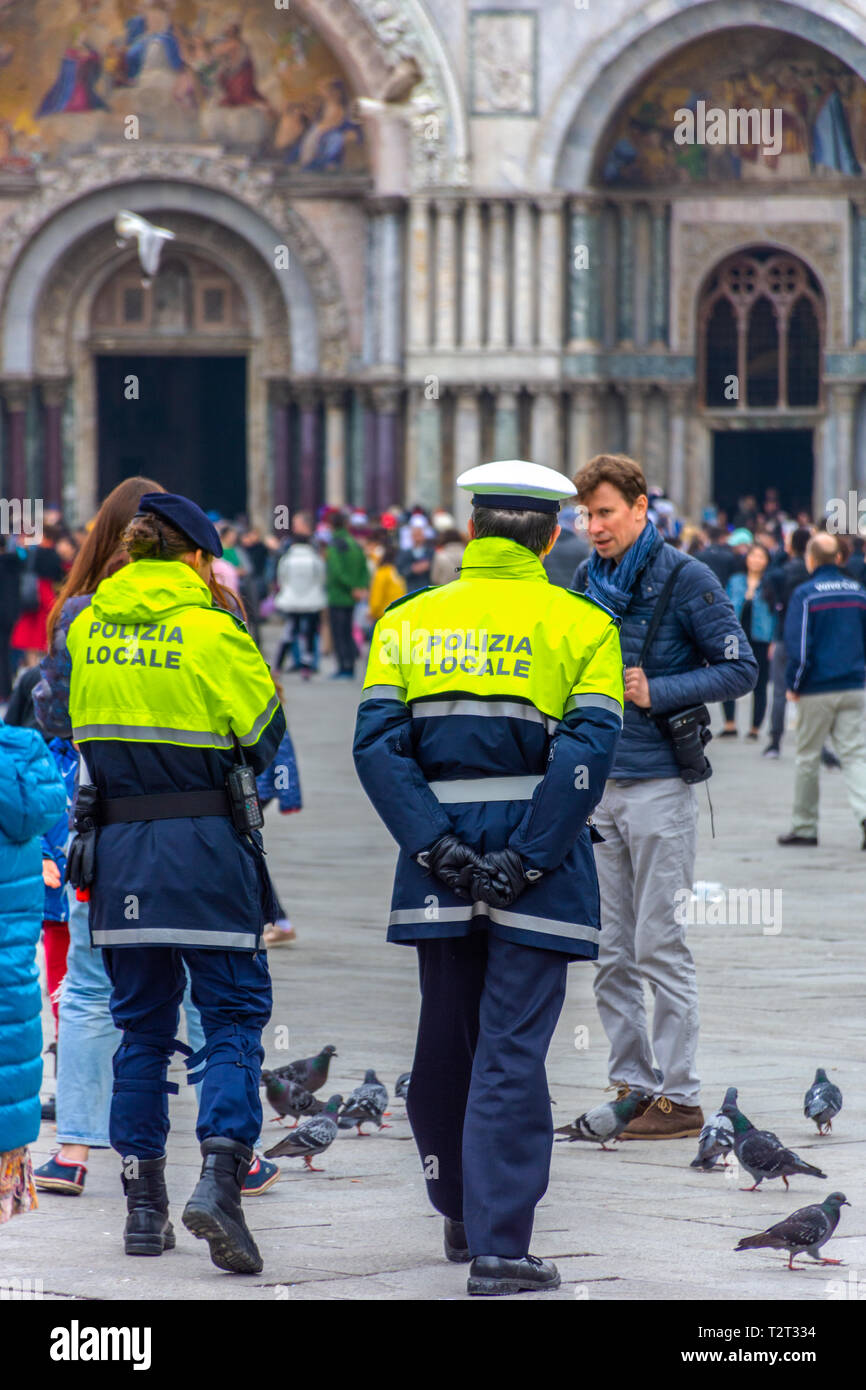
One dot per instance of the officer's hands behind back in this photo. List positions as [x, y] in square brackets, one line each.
[452, 862]
[497, 878]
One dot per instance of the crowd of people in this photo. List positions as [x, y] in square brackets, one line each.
[790, 595]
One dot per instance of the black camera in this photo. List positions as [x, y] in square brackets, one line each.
[689, 733]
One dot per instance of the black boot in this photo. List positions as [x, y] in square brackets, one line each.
[456, 1248]
[148, 1230]
[213, 1212]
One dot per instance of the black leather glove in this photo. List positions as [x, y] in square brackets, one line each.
[454, 863]
[501, 878]
[81, 859]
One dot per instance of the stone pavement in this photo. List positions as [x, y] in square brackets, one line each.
[637, 1223]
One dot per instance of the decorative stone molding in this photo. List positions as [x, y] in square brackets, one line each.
[438, 116]
[240, 178]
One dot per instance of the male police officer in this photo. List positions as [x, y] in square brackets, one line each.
[486, 730]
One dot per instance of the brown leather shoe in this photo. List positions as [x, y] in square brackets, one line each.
[665, 1119]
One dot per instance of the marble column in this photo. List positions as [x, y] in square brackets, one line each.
[53, 395]
[678, 404]
[582, 407]
[371, 446]
[467, 447]
[858, 327]
[388, 489]
[498, 279]
[335, 447]
[418, 298]
[371, 323]
[470, 309]
[636, 394]
[524, 278]
[550, 253]
[446, 273]
[309, 458]
[625, 276]
[506, 425]
[16, 395]
[282, 446]
[389, 282]
[843, 406]
[428, 455]
[584, 275]
[544, 428]
[660, 284]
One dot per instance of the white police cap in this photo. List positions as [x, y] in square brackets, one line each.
[517, 486]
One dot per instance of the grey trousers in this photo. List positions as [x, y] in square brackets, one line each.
[837, 714]
[650, 830]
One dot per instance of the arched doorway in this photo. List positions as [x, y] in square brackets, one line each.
[761, 334]
[170, 361]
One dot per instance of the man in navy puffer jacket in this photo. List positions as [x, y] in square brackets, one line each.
[648, 815]
[32, 798]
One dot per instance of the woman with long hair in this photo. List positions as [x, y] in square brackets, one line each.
[87, 1037]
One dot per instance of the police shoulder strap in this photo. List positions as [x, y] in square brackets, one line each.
[660, 608]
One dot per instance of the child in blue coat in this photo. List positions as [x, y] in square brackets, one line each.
[281, 780]
[32, 798]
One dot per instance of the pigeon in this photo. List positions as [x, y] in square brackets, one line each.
[605, 1121]
[762, 1153]
[130, 226]
[401, 1086]
[805, 1229]
[309, 1072]
[311, 1137]
[367, 1102]
[288, 1098]
[822, 1101]
[717, 1136]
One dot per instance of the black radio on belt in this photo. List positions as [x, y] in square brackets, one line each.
[246, 809]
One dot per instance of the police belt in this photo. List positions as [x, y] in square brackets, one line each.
[117, 810]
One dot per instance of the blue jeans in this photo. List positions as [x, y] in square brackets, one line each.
[233, 991]
[88, 1039]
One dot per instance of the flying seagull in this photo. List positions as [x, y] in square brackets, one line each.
[130, 226]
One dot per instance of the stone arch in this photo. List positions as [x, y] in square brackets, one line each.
[63, 310]
[607, 70]
[232, 193]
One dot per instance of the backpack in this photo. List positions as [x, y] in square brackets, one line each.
[29, 592]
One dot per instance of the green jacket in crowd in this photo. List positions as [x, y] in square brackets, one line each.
[346, 567]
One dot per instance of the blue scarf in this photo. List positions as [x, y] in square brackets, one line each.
[611, 584]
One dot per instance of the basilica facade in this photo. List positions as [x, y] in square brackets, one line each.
[411, 235]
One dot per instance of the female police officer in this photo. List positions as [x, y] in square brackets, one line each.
[166, 689]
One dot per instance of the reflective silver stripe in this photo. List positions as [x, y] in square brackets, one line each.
[599, 701]
[176, 936]
[263, 719]
[485, 789]
[484, 709]
[383, 692]
[408, 916]
[194, 738]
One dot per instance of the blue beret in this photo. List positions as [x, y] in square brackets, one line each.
[187, 516]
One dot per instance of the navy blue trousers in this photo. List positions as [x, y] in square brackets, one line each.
[233, 992]
[478, 1099]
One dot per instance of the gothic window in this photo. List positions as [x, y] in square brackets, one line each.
[760, 332]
